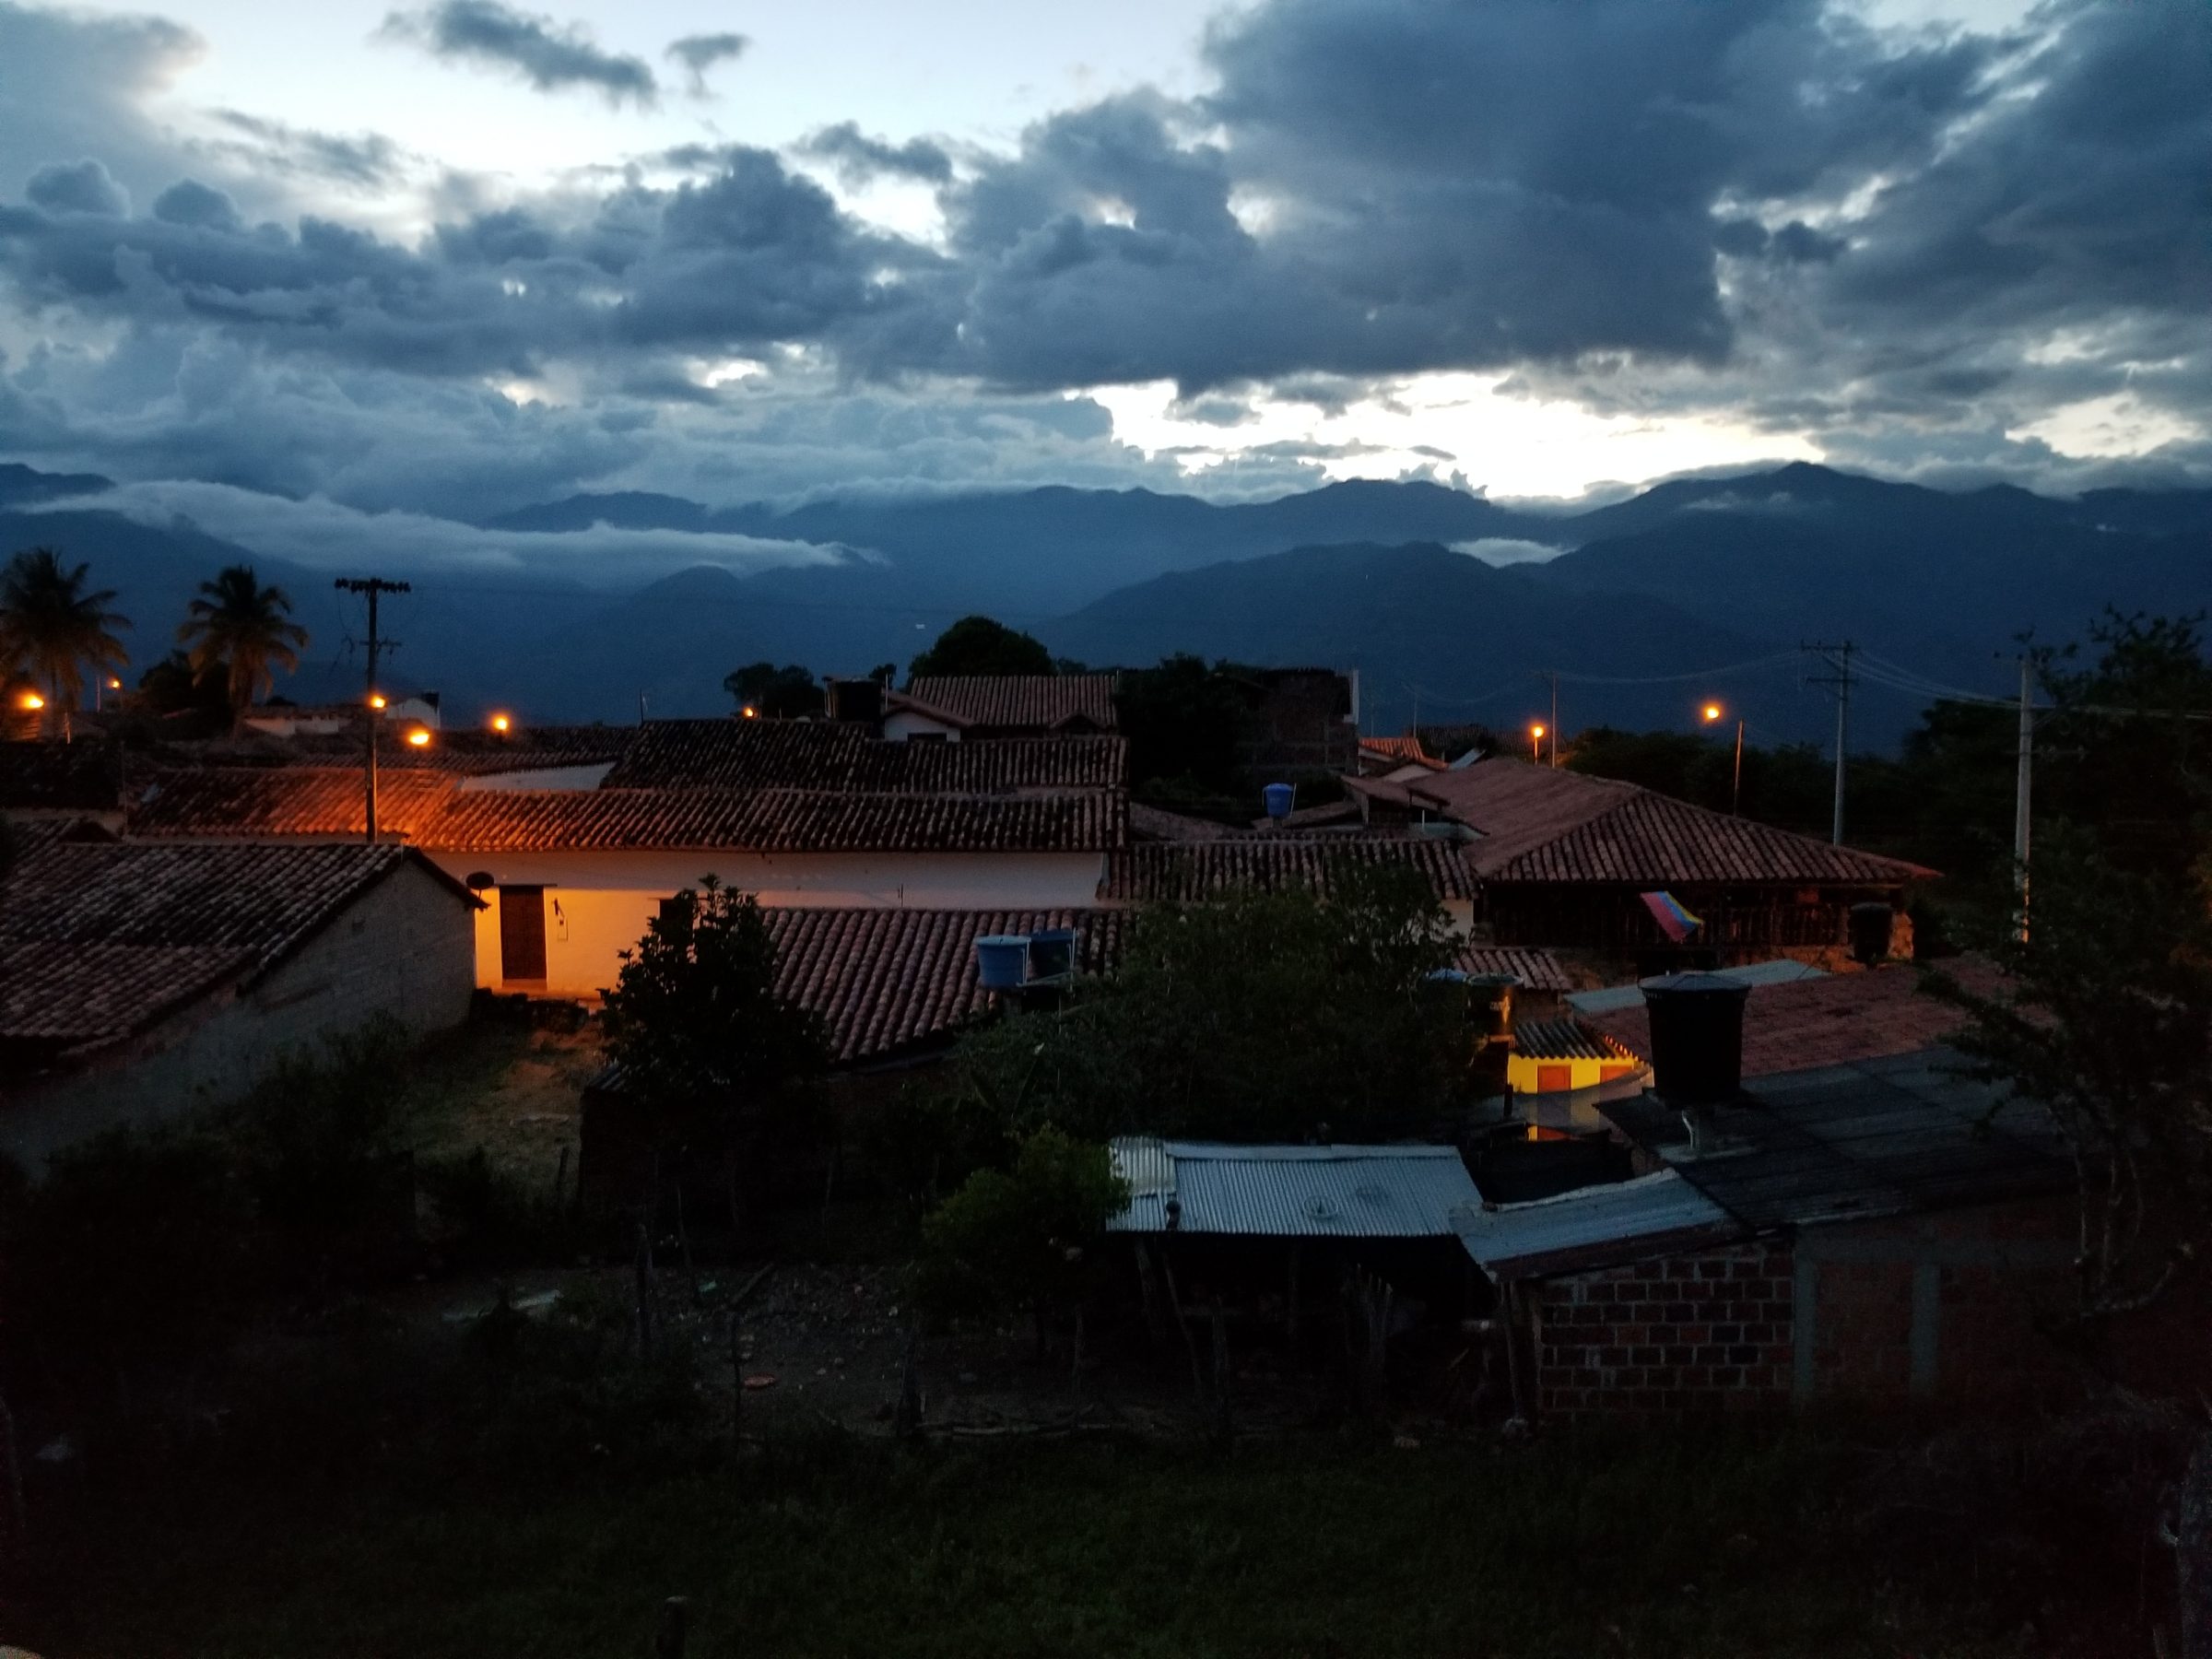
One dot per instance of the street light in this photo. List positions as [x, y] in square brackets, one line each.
[376, 699]
[1535, 743]
[31, 700]
[1712, 711]
[419, 737]
[750, 712]
[502, 724]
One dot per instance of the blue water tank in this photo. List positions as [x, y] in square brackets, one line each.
[1280, 797]
[1052, 953]
[1002, 960]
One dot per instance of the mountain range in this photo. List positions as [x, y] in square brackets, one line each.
[1691, 589]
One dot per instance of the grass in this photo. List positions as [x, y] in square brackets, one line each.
[827, 1546]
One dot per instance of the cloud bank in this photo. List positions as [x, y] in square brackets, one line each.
[1952, 254]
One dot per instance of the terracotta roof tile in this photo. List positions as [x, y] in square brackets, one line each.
[1835, 1021]
[98, 939]
[1040, 702]
[1542, 824]
[465, 751]
[887, 980]
[240, 803]
[772, 821]
[1192, 872]
[61, 777]
[808, 754]
[1536, 970]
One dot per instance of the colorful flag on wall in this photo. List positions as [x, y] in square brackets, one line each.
[1674, 922]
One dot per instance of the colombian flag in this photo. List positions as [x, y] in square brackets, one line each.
[1674, 922]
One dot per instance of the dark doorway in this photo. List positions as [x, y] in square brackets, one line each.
[523, 933]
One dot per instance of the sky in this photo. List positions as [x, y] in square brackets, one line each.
[440, 260]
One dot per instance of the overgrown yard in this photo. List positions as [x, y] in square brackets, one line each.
[823, 1545]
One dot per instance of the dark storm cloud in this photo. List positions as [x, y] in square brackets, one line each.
[859, 158]
[77, 187]
[700, 53]
[1760, 209]
[1398, 186]
[550, 56]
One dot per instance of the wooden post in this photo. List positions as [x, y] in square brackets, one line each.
[1167, 1263]
[1511, 1303]
[1223, 1430]
[675, 1618]
[906, 1417]
[644, 1290]
[1150, 1292]
[2192, 1553]
[561, 1178]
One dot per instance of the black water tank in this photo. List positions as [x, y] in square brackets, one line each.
[1870, 931]
[1697, 1037]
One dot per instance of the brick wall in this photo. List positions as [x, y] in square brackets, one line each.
[1702, 1333]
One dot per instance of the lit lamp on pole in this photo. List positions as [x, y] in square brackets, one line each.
[502, 723]
[419, 737]
[1713, 713]
[1535, 742]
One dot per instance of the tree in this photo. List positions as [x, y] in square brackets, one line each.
[1261, 1017]
[53, 628]
[707, 1046]
[979, 645]
[785, 693]
[170, 686]
[1025, 1236]
[239, 628]
[1185, 724]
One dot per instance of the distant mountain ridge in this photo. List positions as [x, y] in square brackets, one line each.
[1690, 574]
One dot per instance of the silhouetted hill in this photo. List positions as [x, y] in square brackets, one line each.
[1467, 638]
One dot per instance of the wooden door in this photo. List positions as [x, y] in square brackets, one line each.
[522, 934]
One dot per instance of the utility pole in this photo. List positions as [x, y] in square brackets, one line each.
[1839, 658]
[1555, 717]
[372, 586]
[1736, 785]
[2020, 794]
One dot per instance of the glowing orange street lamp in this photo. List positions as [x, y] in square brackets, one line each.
[1535, 742]
[1712, 711]
[419, 738]
[31, 700]
[750, 712]
[376, 699]
[501, 725]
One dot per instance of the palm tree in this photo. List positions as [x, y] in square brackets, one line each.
[52, 628]
[240, 626]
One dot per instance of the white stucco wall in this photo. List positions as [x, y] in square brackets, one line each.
[903, 724]
[606, 899]
[404, 949]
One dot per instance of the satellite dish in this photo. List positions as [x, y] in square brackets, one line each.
[1319, 1209]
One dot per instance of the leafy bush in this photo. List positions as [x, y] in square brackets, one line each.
[488, 1216]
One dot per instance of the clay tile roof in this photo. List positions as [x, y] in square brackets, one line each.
[772, 821]
[1566, 1039]
[464, 751]
[60, 777]
[887, 980]
[1536, 970]
[1838, 1020]
[810, 754]
[1542, 824]
[1192, 872]
[99, 939]
[240, 803]
[1040, 702]
[1400, 751]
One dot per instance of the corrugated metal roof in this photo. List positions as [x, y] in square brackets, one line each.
[1782, 971]
[1882, 1137]
[1594, 1227]
[1292, 1192]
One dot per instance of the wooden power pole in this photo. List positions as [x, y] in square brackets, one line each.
[372, 586]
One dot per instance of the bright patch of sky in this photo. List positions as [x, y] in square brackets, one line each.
[1446, 425]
